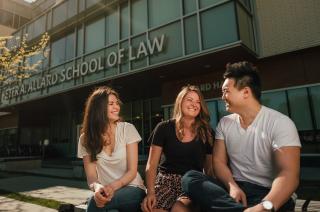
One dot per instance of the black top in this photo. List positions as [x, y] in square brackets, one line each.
[178, 157]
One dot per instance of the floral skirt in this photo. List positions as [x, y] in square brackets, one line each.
[167, 189]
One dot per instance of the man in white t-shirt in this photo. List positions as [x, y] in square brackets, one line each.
[256, 156]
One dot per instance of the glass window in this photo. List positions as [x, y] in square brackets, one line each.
[30, 31]
[298, 101]
[276, 100]
[314, 92]
[126, 112]
[124, 20]
[189, 6]
[139, 17]
[218, 26]
[212, 107]
[72, 8]
[172, 44]
[112, 26]
[80, 42]
[191, 35]
[146, 125]
[57, 52]
[60, 13]
[49, 18]
[39, 26]
[124, 65]
[69, 46]
[157, 8]
[137, 115]
[62, 50]
[140, 62]
[245, 27]
[221, 109]
[110, 71]
[206, 3]
[98, 74]
[81, 5]
[92, 2]
[95, 35]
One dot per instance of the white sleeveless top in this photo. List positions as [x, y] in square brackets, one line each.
[111, 168]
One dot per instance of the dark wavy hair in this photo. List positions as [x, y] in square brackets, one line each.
[201, 126]
[95, 120]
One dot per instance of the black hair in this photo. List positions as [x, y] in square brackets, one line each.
[244, 75]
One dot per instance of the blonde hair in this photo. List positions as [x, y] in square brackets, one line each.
[201, 126]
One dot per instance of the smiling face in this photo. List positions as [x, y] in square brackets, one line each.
[191, 106]
[113, 108]
[232, 97]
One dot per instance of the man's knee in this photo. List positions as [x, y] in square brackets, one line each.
[191, 178]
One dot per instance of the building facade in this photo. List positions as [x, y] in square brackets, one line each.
[147, 50]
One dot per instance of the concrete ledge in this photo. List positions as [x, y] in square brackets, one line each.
[14, 165]
[80, 208]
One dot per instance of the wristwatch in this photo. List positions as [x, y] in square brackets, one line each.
[267, 205]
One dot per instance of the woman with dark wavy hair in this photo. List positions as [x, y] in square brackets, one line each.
[109, 148]
[185, 144]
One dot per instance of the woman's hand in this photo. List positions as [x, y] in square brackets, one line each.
[149, 202]
[99, 195]
[108, 192]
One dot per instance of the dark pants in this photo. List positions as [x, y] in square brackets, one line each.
[210, 195]
[126, 199]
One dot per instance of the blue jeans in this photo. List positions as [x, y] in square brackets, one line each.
[210, 195]
[126, 199]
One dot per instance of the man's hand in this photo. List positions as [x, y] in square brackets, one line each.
[256, 208]
[149, 202]
[238, 195]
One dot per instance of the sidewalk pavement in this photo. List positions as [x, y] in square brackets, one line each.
[58, 184]
[12, 205]
[55, 184]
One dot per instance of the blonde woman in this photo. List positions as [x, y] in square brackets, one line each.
[185, 144]
[109, 148]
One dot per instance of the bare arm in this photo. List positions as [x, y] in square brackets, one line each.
[92, 180]
[132, 167]
[151, 167]
[208, 170]
[223, 173]
[90, 169]
[287, 181]
[151, 172]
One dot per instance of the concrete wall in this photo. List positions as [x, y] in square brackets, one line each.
[287, 25]
[4, 30]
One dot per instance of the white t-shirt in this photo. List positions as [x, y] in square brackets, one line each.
[111, 168]
[250, 151]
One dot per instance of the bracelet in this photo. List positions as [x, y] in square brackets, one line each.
[91, 186]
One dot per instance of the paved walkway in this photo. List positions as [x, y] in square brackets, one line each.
[54, 187]
[314, 206]
[12, 205]
[64, 190]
